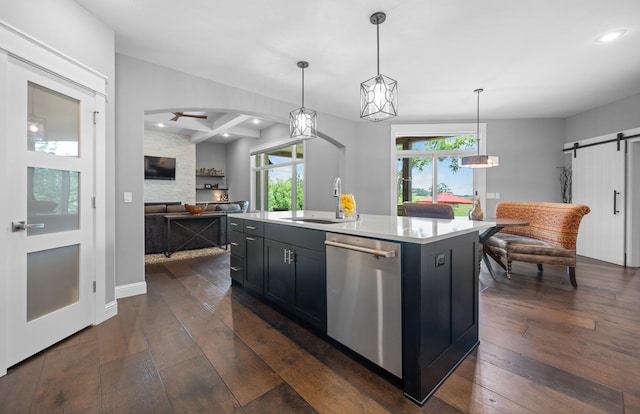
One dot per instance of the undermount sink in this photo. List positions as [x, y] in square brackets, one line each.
[312, 220]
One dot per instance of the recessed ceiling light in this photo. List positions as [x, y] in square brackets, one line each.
[256, 121]
[226, 135]
[160, 125]
[611, 36]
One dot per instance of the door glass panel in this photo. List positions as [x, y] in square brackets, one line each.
[53, 280]
[279, 156]
[52, 200]
[258, 187]
[415, 179]
[278, 191]
[299, 186]
[53, 123]
[455, 185]
[439, 143]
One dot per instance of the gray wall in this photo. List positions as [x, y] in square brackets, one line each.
[611, 118]
[530, 151]
[70, 29]
[144, 87]
[238, 174]
[210, 155]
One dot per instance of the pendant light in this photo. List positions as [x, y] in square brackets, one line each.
[378, 95]
[303, 121]
[479, 161]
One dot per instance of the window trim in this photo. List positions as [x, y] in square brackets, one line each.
[419, 130]
[258, 150]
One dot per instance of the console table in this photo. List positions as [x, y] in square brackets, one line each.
[207, 220]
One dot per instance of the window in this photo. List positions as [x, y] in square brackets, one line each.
[426, 165]
[278, 177]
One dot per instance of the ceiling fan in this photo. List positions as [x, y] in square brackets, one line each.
[178, 115]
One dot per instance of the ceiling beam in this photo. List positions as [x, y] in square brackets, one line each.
[244, 132]
[220, 126]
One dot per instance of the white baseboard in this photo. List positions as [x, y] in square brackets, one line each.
[110, 310]
[132, 289]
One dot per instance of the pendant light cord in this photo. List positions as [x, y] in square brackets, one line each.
[477, 118]
[478, 91]
[378, 44]
[303, 87]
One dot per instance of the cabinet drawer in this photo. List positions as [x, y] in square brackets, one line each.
[307, 238]
[236, 269]
[236, 224]
[236, 240]
[254, 227]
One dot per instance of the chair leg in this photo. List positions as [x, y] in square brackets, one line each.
[572, 275]
[539, 267]
[509, 269]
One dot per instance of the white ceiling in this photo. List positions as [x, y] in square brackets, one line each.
[535, 59]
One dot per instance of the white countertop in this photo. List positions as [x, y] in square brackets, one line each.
[407, 229]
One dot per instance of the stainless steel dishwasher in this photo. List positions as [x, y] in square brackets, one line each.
[364, 298]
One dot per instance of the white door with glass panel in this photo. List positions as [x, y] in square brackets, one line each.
[50, 133]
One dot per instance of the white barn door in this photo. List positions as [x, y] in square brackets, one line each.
[599, 182]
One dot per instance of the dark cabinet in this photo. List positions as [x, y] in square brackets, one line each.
[246, 254]
[440, 318]
[237, 248]
[309, 286]
[277, 275]
[295, 275]
[253, 271]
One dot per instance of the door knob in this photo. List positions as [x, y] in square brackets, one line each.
[21, 226]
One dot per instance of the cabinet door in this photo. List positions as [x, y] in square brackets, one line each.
[309, 290]
[237, 269]
[237, 242]
[253, 277]
[278, 283]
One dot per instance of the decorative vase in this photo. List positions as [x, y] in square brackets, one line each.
[476, 212]
[348, 204]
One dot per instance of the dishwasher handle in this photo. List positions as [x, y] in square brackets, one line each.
[375, 252]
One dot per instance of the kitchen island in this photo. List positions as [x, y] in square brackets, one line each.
[401, 292]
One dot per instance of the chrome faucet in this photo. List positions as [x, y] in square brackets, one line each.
[337, 191]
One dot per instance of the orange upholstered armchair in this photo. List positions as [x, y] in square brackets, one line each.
[549, 238]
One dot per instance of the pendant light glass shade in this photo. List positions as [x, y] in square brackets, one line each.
[378, 95]
[479, 161]
[303, 121]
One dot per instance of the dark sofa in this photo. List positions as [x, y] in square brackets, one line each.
[155, 225]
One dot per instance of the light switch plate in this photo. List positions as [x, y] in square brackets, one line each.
[128, 197]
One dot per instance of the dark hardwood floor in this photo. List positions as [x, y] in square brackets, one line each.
[196, 344]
